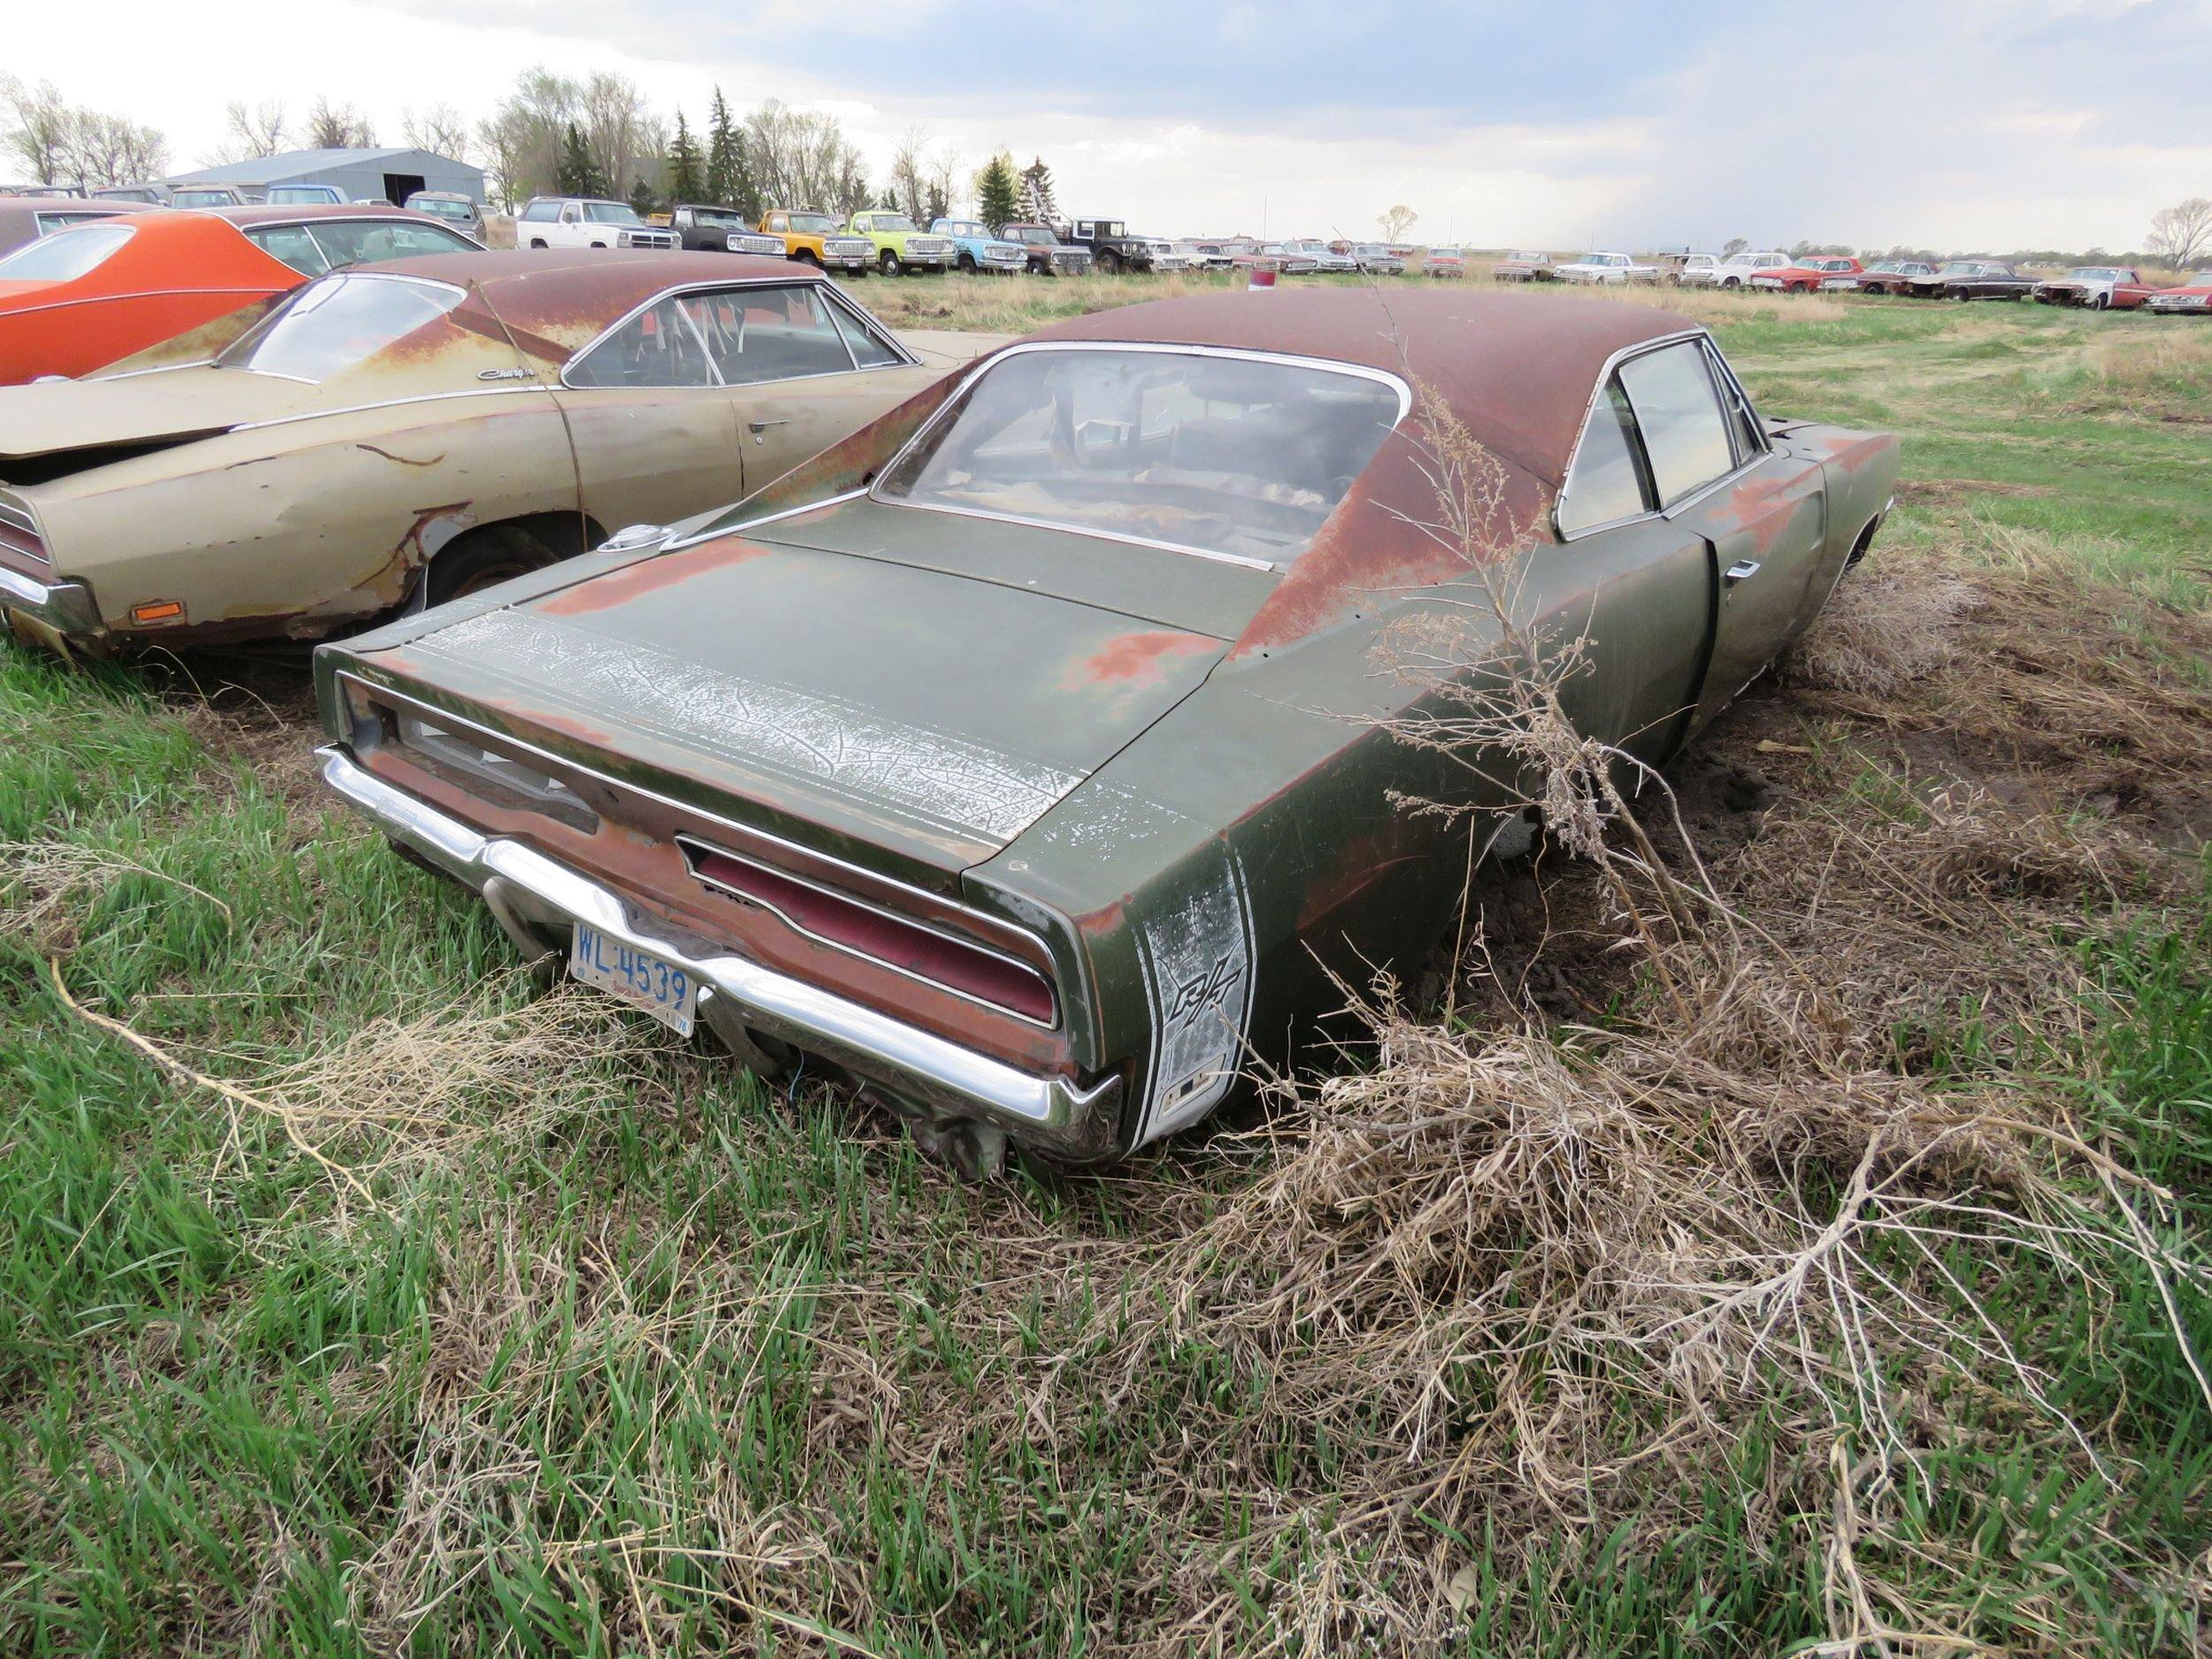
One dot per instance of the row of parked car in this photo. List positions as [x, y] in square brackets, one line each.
[2097, 288]
[988, 723]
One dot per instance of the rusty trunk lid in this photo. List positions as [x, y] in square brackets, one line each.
[912, 717]
[169, 405]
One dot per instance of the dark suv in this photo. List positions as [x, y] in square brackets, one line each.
[1048, 255]
[1111, 245]
[720, 230]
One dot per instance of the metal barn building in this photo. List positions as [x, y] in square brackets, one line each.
[391, 175]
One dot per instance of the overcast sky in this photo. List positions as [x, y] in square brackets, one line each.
[1957, 123]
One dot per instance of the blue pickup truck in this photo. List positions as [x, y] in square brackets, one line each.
[975, 249]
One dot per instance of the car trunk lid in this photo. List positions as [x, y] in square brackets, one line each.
[916, 720]
[54, 420]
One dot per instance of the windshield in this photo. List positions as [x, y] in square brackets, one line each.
[1962, 268]
[65, 256]
[959, 228]
[284, 193]
[338, 322]
[720, 218]
[1035, 235]
[610, 213]
[205, 198]
[2095, 273]
[814, 224]
[1241, 456]
[893, 223]
[443, 207]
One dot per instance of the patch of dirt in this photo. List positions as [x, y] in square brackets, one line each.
[1946, 491]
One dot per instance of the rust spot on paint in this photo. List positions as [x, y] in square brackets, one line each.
[1139, 658]
[425, 516]
[404, 460]
[662, 569]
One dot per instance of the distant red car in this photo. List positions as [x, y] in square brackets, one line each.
[83, 297]
[1806, 275]
[2192, 298]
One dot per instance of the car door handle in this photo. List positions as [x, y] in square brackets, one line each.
[1742, 570]
[763, 425]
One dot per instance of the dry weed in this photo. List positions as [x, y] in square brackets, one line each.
[44, 885]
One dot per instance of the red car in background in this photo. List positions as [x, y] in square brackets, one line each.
[2192, 298]
[2100, 287]
[82, 298]
[1806, 275]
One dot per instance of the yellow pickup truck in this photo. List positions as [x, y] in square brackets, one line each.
[818, 239]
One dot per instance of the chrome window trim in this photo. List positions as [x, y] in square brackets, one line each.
[929, 896]
[723, 285]
[685, 842]
[944, 411]
[355, 409]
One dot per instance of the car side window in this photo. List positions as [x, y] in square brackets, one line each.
[869, 349]
[292, 244]
[354, 241]
[1686, 439]
[771, 334]
[1743, 420]
[538, 211]
[1607, 480]
[571, 214]
[660, 346]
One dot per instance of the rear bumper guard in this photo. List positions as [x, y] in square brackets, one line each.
[538, 901]
[58, 608]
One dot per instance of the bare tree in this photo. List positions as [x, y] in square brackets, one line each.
[440, 129]
[38, 129]
[627, 140]
[338, 126]
[1396, 222]
[259, 131]
[909, 167]
[522, 140]
[944, 168]
[803, 160]
[2182, 233]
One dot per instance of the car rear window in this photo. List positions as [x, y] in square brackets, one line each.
[361, 241]
[65, 256]
[337, 322]
[1215, 453]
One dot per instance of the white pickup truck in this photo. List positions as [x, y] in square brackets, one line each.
[1605, 267]
[582, 222]
[1734, 272]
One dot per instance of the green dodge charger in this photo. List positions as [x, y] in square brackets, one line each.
[1025, 757]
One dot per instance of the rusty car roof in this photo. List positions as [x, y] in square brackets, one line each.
[1516, 369]
[557, 302]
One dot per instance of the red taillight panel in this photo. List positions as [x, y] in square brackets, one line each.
[924, 952]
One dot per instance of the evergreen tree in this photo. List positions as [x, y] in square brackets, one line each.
[997, 194]
[643, 201]
[729, 175]
[937, 206]
[578, 174]
[890, 202]
[685, 183]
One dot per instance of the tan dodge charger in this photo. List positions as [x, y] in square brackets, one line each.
[401, 434]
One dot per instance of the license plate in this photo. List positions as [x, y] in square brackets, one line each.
[662, 990]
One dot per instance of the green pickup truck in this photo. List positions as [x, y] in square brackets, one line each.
[900, 244]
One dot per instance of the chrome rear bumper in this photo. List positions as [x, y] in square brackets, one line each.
[63, 609]
[538, 901]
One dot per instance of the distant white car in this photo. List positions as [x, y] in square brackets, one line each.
[1376, 259]
[579, 221]
[1169, 256]
[1695, 270]
[1326, 259]
[1734, 272]
[1605, 267]
[1204, 255]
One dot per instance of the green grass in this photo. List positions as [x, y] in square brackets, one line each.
[675, 1363]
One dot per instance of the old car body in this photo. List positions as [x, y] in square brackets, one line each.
[1522, 264]
[26, 218]
[975, 249]
[1205, 255]
[1615, 268]
[2192, 298]
[209, 195]
[144, 194]
[1702, 264]
[1164, 255]
[88, 296]
[1444, 262]
[1734, 272]
[2099, 288]
[1375, 259]
[1044, 254]
[707, 229]
[449, 207]
[1112, 248]
[1884, 276]
[900, 244]
[1973, 279]
[1806, 275]
[585, 221]
[1051, 777]
[1278, 256]
[1326, 260]
[818, 239]
[402, 432]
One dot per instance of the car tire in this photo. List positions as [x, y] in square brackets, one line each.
[1733, 282]
[889, 263]
[1963, 295]
[1110, 262]
[473, 562]
[537, 242]
[2102, 303]
[967, 265]
[805, 256]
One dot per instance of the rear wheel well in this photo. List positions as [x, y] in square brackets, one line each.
[563, 535]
